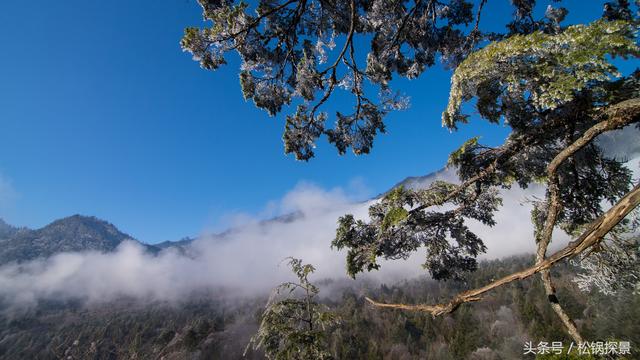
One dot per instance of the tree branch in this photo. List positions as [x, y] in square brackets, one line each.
[590, 237]
[332, 77]
[255, 22]
[617, 116]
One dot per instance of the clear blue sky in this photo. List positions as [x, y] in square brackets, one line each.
[101, 113]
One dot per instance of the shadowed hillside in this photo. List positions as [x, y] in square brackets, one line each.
[212, 327]
[74, 233]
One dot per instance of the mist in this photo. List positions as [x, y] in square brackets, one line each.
[248, 260]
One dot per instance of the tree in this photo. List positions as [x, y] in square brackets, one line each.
[295, 327]
[288, 51]
[555, 86]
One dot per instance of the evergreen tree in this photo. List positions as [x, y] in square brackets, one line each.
[294, 327]
[554, 86]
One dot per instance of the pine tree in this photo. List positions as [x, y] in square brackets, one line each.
[295, 327]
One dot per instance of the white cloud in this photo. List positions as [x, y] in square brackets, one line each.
[249, 258]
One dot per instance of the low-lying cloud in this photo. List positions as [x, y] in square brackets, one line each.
[249, 258]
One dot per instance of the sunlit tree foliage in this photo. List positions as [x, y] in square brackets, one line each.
[555, 86]
[294, 324]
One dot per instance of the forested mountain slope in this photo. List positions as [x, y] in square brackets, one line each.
[209, 326]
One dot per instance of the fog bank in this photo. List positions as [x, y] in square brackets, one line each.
[248, 260]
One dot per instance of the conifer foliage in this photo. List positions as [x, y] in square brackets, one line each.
[294, 324]
[555, 86]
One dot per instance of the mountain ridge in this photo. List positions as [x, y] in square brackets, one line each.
[77, 233]
[70, 234]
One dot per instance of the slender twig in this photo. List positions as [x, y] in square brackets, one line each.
[255, 22]
[332, 78]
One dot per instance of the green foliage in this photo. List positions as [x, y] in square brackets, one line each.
[395, 214]
[550, 87]
[548, 69]
[394, 217]
[295, 327]
[395, 232]
[455, 156]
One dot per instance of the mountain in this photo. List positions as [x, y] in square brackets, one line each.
[87, 233]
[73, 233]
[420, 182]
[179, 244]
[183, 244]
[213, 326]
[7, 231]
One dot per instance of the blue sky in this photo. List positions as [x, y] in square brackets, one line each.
[101, 113]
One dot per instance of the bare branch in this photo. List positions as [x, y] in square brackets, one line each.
[618, 116]
[590, 237]
[333, 67]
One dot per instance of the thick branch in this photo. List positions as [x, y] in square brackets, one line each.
[618, 116]
[569, 324]
[505, 153]
[590, 237]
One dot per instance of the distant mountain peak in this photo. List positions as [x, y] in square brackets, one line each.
[70, 234]
[81, 219]
[77, 233]
[91, 222]
[418, 182]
